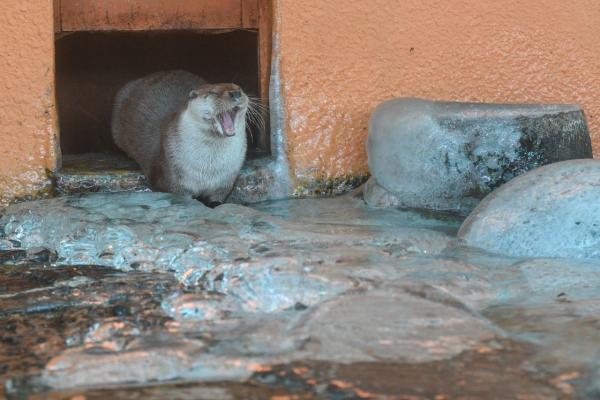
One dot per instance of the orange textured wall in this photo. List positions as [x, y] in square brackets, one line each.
[339, 59]
[27, 112]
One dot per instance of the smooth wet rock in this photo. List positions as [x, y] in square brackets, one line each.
[392, 325]
[552, 211]
[449, 280]
[538, 281]
[160, 231]
[447, 156]
[285, 295]
[592, 384]
[144, 359]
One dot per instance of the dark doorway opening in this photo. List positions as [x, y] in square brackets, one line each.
[92, 66]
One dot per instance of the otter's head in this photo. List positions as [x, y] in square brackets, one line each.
[222, 106]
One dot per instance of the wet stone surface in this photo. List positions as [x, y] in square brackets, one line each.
[449, 155]
[552, 211]
[99, 172]
[261, 178]
[147, 295]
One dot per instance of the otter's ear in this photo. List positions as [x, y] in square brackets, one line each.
[193, 94]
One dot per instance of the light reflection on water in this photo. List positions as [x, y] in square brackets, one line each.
[309, 279]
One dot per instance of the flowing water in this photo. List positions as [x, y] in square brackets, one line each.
[149, 295]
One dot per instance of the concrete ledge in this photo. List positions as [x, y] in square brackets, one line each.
[259, 180]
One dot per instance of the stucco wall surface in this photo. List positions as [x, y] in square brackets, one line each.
[27, 123]
[339, 59]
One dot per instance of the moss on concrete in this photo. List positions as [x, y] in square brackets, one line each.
[327, 186]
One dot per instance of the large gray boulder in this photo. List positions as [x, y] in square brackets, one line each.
[447, 156]
[553, 211]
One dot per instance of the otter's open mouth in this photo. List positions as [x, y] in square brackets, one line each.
[227, 121]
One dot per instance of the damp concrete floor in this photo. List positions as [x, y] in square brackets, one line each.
[152, 296]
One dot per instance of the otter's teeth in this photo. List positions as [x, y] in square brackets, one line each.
[227, 120]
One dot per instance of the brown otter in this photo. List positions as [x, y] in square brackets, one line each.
[188, 136]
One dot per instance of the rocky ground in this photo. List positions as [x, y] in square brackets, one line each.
[146, 295]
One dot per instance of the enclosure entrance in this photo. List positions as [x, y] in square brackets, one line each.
[100, 46]
[91, 67]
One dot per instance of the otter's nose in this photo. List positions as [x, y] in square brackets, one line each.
[235, 94]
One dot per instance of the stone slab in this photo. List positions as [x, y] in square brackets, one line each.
[447, 155]
[552, 211]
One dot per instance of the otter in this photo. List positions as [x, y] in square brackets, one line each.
[188, 136]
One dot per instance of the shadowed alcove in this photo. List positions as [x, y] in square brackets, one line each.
[100, 46]
[92, 66]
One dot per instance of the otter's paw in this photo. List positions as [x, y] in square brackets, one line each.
[207, 202]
